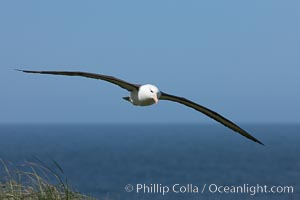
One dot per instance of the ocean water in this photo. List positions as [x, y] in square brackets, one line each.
[101, 160]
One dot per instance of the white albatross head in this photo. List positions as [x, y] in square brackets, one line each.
[148, 94]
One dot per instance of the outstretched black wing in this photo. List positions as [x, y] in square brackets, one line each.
[111, 79]
[209, 113]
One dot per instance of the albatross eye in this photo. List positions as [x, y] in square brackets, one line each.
[151, 90]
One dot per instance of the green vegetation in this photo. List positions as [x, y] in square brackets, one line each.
[35, 181]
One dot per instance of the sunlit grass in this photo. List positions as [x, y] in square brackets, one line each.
[35, 181]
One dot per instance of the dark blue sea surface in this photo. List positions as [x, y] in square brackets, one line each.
[101, 160]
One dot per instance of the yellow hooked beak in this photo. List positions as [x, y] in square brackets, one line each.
[155, 98]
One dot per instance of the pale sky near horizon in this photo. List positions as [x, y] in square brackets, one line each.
[239, 58]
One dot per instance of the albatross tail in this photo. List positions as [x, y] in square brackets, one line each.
[127, 99]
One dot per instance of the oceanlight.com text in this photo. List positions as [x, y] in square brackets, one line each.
[250, 189]
[208, 188]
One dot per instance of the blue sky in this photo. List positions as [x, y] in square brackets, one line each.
[239, 58]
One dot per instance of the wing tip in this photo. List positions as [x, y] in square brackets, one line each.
[259, 142]
[22, 70]
[28, 71]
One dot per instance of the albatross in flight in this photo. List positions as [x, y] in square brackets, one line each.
[145, 95]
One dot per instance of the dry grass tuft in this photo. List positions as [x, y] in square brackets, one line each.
[35, 181]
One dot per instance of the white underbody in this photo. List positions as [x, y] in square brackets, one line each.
[137, 100]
